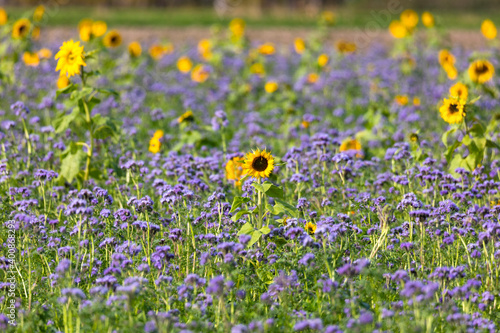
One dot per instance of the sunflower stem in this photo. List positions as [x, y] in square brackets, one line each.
[259, 203]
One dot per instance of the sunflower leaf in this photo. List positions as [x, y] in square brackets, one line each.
[237, 202]
[270, 189]
[246, 229]
[255, 237]
[239, 214]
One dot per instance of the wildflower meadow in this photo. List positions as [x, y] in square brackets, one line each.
[233, 185]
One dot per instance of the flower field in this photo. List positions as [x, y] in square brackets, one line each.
[228, 185]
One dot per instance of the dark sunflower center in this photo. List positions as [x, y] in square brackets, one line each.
[22, 29]
[453, 108]
[481, 69]
[259, 163]
[114, 39]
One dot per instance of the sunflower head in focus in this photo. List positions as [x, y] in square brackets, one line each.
[310, 228]
[488, 29]
[21, 28]
[134, 49]
[186, 117]
[398, 30]
[112, 39]
[234, 170]
[428, 20]
[71, 58]
[299, 45]
[184, 64]
[31, 59]
[453, 110]
[3, 17]
[409, 18]
[460, 91]
[481, 71]
[258, 164]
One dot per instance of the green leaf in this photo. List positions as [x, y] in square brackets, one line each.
[269, 189]
[445, 135]
[246, 229]
[71, 162]
[239, 214]
[284, 207]
[66, 90]
[255, 237]
[265, 230]
[62, 122]
[477, 130]
[237, 202]
[79, 94]
[451, 150]
[492, 144]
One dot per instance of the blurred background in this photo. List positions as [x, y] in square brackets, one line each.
[466, 14]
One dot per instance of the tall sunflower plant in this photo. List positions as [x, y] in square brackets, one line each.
[76, 160]
[258, 165]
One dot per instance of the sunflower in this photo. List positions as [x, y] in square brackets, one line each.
[154, 145]
[159, 134]
[481, 71]
[452, 111]
[199, 73]
[271, 86]
[416, 101]
[414, 137]
[428, 19]
[134, 49]
[205, 49]
[35, 33]
[299, 45]
[3, 16]
[450, 70]
[237, 28]
[351, 144]
[112, 39]
[258, 69]
[31, 59]
[305, 124]
[234, 170]
[398, 29]
[401, 100]
[323, 60]
[184, 64]
[312, 78]
[459, 90]
[343, 46]
[99, 28]
[45, 53]
[71, 58]
[328, 17]
[62, 82]
[186, 116]
[488, 29]
[85, 29]
[21, 28]
[157, 51]
[258, 164]
[310, 228]
[267, 49]
[446, 57]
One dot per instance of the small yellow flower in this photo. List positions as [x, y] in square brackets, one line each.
[112, 39]
[85, 29]
[154, 145]
[258, 69]
[62, 82]
[428, 20]
[452, 111]
[343, 46]
[237, 28]
[159, 134]
[184, 64]
[234, 170]
[134, 49]
[481, 71]
[312, 78]
[351, 144]
[99, 28]
[205, 49]
[3, 16]
[199, 73]
[21, 28]
[398, 29]
[267, 49]
[158, 51]
[310, 228]
[401, 100]
[186, 116]
[271, 86]
[305, 124]
[459, 90]
[299, 45]
[414, 137]
[45, 53]
[488, 29]
[31, 59]
[416, 101]
[446, 57]
[258, 164]
[70, 58]
[38, 14]
[323, 60]
[409, 18]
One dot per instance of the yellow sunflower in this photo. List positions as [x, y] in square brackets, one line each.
[62, 82]
[459, 90]
[271, 86]
[428, 19]
[323, 60]
[351, 144]
[237, 28]
[310, 227]
[488, 29]
[328, 17]
[31, 59]
[112, 39]
[267, 49]
[345, 47]
[205, 49]
[401, 100]
[45, 53]
[234, 170]
[451, 71]
[409, 18]
[3, 16]
[299, 45]
[258, 164]
[398, 29]
[38, 13]
[134, 49]
[312, 78]
[258, 69]
[186, 116]
[21, 28]
[452, 111]
[71, 58]
[99, 28]
[158, 51]
[481, 71]
[184, 64]
[416, 101]
[159, 134]
[85, 29]
[446, 57]
[199, 73]
[154, 145]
